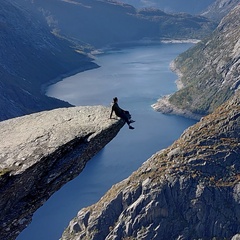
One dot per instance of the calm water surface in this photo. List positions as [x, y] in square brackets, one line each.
[138, 77]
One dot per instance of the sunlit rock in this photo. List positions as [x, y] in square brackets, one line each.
[41, 152]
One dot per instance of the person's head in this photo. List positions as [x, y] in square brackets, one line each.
[115, 100]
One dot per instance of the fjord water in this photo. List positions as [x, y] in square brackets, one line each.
[138, 76]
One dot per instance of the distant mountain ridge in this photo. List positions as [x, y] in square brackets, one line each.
[212, 9]
[102, 23]
[173, 6]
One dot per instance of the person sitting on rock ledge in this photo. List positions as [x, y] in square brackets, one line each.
[123, 114]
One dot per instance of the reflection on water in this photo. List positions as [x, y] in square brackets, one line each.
[138, 77]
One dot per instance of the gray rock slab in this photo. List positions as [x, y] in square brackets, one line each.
[41, 152]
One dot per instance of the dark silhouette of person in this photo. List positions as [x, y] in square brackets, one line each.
[123, 114]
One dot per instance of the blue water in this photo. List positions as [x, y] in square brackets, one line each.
[138, 77]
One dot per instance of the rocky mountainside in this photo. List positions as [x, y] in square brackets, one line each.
[30, 55]
[209, 72]
[191, 190]
[41, 152]
[219, 9]
[100, 23]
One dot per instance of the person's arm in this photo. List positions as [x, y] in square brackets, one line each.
[111, 113]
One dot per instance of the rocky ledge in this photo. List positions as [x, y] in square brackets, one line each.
[191, 190]
[41, 152]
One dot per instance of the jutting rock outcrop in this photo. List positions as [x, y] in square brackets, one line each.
[114, 22]
[41, 152]
[209, 72]
[191, 190]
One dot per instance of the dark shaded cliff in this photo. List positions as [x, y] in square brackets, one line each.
[191, 190]
[43, 151]
[30, 56]
[209, 72]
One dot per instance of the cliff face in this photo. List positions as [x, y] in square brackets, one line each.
[190, 190]
[30, 55]
[210, 71]
[43, 151]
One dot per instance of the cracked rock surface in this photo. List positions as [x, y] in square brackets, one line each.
[41, 152]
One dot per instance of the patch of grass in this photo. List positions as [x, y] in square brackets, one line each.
[4, 171]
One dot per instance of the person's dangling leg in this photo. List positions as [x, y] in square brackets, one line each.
[128, 115]
[126, 119]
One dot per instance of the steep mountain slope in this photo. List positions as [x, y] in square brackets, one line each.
[30, 55]
[191, 190]
[219, 9]
[210, 71]
[100, 23]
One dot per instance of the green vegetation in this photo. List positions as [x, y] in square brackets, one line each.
[4, 171]
[209, 70]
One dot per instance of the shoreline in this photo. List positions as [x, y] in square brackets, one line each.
[142, 42]
[181, 41]
[178, 81]
[163, 104]
[60, 77]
